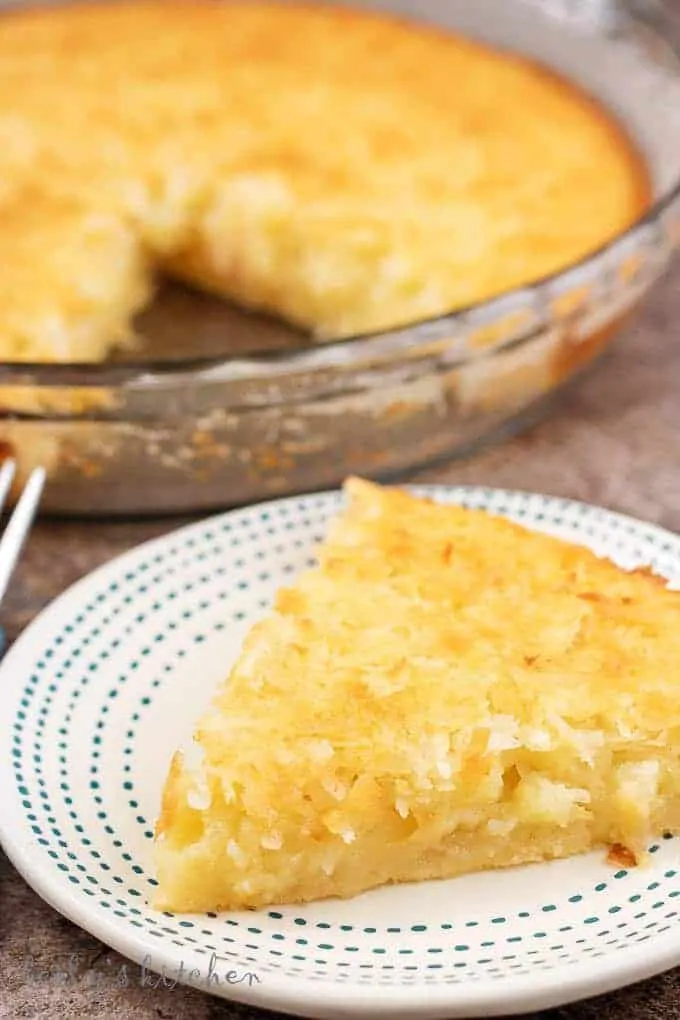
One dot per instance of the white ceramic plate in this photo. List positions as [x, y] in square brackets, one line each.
[98, 692]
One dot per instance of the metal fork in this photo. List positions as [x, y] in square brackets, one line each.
[19, 524]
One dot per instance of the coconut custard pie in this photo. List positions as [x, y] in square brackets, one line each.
[444, 692]
[347, 171]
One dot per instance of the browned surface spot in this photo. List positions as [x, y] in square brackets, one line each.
[6, 450]
[620, 856]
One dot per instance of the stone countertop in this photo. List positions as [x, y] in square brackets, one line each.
[614, 440]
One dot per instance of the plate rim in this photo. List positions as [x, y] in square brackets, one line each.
[298, 996]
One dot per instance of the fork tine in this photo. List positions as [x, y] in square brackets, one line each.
[7, 472]
[19, 525]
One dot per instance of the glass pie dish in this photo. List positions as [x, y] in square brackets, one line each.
[225, 407]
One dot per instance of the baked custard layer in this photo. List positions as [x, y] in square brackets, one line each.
[347, 171]
[444, 692]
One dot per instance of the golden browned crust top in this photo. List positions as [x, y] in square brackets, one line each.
[346, 170]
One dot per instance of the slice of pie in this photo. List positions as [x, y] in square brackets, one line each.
[445, 692]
